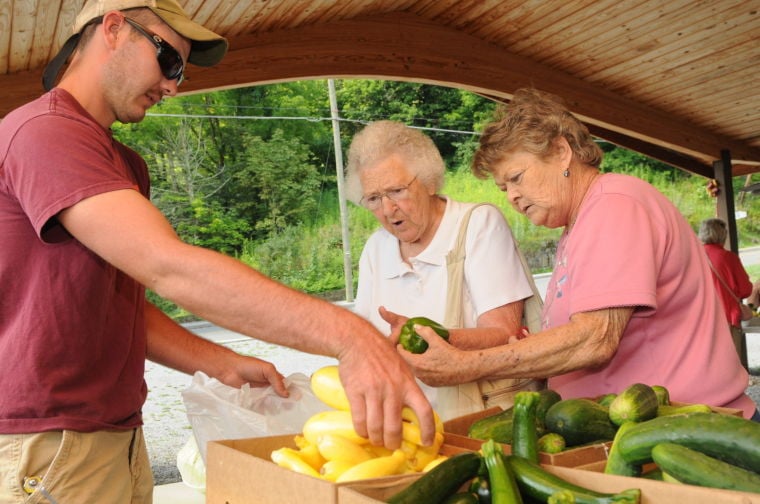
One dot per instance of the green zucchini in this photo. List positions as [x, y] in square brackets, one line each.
[636, 403]
[461, 498]
[540, 484]
[668, 409]
[616, 464]
[441, 481]
[497, 427]
[729, 438]
[504, 489]
[525, 438]
[482, 488]
[580, 421]
[696, 468]
[561, 497]
[663, 395]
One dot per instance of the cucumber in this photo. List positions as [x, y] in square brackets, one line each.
[441, 481]
[606, 399]
[616, 464]
[695, 468]
[653, 474]
[497, 427]
[636, 403]
[525, 437]
[580, 421]
[540, 484]
[667, 478]
[663, 395]
[726, 437]
[547, 399]
[551, 442]
[664, 410]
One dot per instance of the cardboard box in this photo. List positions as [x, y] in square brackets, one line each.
[457, 429]
[240, 471]
[652, 492]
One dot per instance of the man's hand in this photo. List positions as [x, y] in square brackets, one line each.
[378, 385]
[256, 372]
[395, 320]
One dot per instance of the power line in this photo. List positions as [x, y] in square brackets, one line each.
[299, 118]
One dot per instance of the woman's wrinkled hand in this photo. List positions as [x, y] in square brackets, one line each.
[441, 364]
[524, 333]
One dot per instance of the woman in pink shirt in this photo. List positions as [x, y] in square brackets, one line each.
[631, 299]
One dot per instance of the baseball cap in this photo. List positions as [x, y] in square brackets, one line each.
[207, 48]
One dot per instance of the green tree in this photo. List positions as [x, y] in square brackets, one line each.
[277, 183]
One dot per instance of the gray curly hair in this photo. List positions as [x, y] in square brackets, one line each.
[713, 231]
[381, 139]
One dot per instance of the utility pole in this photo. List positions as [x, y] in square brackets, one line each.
[347, 271]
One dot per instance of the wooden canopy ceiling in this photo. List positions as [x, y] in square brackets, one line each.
[676, 80]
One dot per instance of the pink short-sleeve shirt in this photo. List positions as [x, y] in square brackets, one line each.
[630, 246]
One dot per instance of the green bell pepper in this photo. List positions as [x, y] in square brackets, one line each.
[413, 342]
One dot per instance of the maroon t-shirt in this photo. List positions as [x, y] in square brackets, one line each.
[72, 327]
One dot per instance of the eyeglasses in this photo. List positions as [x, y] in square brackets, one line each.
[172, 66]
[373, 201]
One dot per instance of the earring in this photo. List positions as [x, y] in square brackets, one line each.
[566, 173]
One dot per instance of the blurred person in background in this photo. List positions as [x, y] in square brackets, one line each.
[730, 279]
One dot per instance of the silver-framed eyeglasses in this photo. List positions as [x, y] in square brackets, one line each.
[395, 194]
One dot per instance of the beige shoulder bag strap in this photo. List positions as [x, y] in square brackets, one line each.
[470, 397]
[455, 267]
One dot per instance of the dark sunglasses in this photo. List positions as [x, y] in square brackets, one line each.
[172, 66]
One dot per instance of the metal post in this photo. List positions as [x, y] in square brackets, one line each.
[347, 272]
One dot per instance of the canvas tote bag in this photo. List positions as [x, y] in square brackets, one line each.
[467, 398]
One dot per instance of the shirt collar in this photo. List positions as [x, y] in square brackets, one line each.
[434, 254]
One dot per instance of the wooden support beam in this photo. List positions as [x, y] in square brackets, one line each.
[725, 203]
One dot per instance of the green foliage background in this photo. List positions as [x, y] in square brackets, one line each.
[251, 173]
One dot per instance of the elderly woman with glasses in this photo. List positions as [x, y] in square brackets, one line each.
[631, 298]
[396, 172]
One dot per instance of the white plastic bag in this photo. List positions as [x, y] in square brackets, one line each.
[218, 411]
[190, 465]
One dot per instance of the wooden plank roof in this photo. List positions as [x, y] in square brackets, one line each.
[676, 79]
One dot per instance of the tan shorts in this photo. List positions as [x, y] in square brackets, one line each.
[63, 467]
